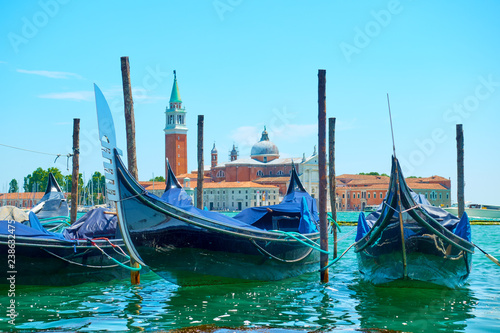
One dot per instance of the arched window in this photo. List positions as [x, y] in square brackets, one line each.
[260, 173]
[280, 173]
[221, 174]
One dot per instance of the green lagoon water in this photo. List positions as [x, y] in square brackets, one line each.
[344, 304]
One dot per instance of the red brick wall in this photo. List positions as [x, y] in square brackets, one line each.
[176, 152]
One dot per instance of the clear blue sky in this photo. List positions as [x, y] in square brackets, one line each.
[249, 64]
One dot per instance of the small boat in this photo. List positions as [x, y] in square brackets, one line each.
[478, 211]
[88, 251]
[189, 246]
[370, 208]
[408, 239]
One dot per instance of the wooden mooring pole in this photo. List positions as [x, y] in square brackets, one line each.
[128, 103]
[76, 167]
[199, 183]
[323, 222]
[460, 171]
[332, 180]
[129, 118]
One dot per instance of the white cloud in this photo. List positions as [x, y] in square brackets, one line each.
[50, 74]
[293, 132]
[246, 136]
[347, 125]
[71, 95]
[139, 95]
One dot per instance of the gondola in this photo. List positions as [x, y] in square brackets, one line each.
[53, 203]
[190, 246]
[88, 251]
[407, 239]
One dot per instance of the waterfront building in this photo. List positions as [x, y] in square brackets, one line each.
[235, 196]
[225, 196]
[264, 162]
[355, 192]
[24, 200]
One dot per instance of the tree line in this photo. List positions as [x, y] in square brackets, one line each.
[91, 193]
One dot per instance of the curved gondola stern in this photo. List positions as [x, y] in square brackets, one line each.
[111, 155]
[295, 184]
[53, 203]
[171, 181]
[52, 185]
[174, 193]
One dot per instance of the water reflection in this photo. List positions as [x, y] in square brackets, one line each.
[406, 307]
[301, 303]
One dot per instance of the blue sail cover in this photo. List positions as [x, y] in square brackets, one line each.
[463, 228]
[177, 197]
[306, 225]
[291, 204]
[96, 223]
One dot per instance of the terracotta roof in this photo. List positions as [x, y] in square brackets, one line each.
[148, 183]
[272, 179]
[370, 187]
[162, 186]
[23, 195]
[375, 182]
[427, 179]
[191, 175]
[361, 182]
[349, 176]
[236, 185]
[426, 186]
[157, 186]
[216, 185]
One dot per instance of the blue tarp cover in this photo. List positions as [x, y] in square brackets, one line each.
[96, 223]
[32, 228]
[178, 197]
[294, 203]
[92, 225]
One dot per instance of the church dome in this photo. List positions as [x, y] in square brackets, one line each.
[264, 150]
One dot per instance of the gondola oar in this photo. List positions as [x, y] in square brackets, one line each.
[400, 208]
[495, 260]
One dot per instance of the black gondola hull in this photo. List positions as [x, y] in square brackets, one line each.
[428, 259]
[57, 263]
[191, 250]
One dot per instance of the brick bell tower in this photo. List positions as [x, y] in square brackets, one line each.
[176, 133]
